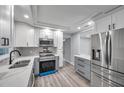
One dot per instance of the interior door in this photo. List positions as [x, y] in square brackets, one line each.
[117, 55]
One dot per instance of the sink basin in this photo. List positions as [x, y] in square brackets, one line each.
[20, 64]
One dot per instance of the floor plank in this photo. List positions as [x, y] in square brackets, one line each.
[65, 77]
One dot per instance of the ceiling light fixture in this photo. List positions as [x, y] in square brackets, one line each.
[90, 22]
[78, 27]
[26, 16]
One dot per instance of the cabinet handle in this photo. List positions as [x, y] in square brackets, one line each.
[109, 27]
[113, 26]
[81, 65]
[81, 71]
[4, 41]
[80, 60]
[7, 39]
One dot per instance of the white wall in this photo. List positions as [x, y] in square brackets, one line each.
[67, 50]
[85, 46]
[75, 45]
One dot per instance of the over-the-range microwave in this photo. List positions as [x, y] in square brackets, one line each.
[46, 42]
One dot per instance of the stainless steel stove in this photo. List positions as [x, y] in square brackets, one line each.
[47, 62]
[46, 56]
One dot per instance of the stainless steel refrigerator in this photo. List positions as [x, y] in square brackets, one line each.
[107, 64]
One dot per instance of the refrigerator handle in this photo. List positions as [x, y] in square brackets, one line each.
[107, 49]
[110, 49]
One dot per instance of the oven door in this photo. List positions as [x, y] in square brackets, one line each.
[48, 65]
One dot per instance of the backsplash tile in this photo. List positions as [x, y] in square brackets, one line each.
[32, 51]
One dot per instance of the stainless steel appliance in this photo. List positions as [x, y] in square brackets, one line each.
[107, 68]
[46, 42]
[47, 62]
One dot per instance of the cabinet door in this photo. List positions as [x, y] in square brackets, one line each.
[104, 24]
[118, 19]
[49, 34]
[42, 34]
[46, 33]
[30, 38]
[60, 40]
[60, 53]
[5, 24]
[24, 35]
[36, 37]
[55, 38]
[20, 37]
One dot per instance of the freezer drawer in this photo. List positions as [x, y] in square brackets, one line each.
[109, 74]
[99, 81]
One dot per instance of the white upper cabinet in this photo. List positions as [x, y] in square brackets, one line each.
[111, 22]
[58, 39]
[46, 34]
[30, 38]
[104, 24]
[118, 19]
[24, 35]
[36, 37]
[5, 25]
[55, 37]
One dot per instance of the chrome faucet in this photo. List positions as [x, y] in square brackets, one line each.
[10, 60]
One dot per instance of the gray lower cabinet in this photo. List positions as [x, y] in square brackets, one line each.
[82, 66]
[31, 80]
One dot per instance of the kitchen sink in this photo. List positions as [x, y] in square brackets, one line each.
[20, 64]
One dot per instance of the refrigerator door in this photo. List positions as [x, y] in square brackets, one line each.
[117, 50]
[99, 42]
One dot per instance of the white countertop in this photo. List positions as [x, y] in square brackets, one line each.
[17, 77]
[83, 56]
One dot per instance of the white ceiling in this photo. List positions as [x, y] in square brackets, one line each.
[61, 15]
[67, 15]
[20, 11]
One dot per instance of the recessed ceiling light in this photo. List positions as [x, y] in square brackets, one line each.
[78, 27]
[90, 22]
[26, 16]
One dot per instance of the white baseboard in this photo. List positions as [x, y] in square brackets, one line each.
[72, 63]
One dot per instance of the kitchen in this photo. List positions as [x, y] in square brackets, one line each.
[61, 46]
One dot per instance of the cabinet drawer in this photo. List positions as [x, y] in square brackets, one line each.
[83, 66]
[84, 73]
[83, 61]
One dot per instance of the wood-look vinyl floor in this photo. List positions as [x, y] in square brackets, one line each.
[65, 77]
